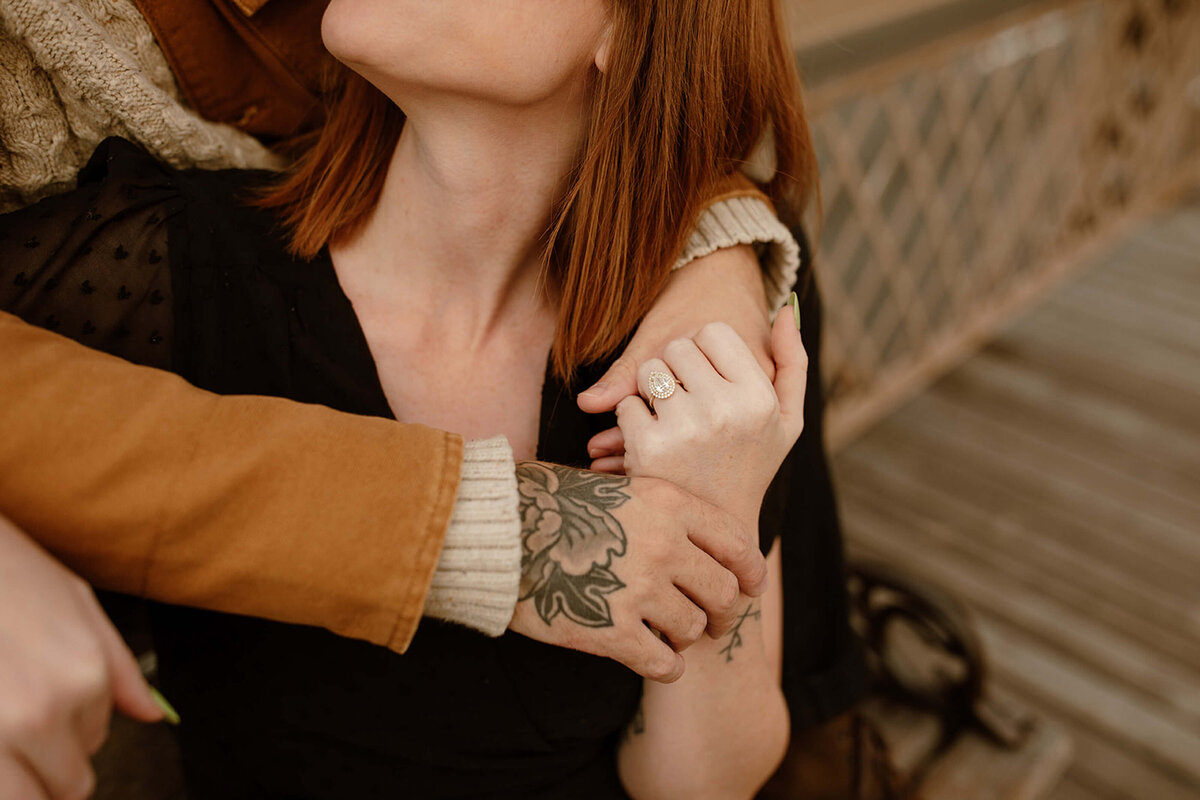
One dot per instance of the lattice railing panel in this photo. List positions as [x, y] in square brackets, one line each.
[959, 180]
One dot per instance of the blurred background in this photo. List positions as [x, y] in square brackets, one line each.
[1010, 265]
[1009, 260]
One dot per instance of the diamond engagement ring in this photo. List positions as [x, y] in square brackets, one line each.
[660, 386]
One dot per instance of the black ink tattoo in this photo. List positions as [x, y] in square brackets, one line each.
[569, 539]
[735, 635]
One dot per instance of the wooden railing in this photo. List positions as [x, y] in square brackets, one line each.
[964, 177]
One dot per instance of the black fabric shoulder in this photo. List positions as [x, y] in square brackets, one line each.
[93, 263]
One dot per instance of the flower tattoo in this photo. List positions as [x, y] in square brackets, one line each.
[569, 539]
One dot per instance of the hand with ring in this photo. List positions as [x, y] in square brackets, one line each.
[719, 428]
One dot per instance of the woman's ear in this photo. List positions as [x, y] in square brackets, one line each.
[604, 48]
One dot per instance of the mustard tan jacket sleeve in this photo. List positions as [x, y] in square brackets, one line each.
[146, 485]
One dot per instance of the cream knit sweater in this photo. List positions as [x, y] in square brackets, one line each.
[73, 72]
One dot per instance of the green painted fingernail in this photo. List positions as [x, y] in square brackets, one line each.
[169, 712]
[794, 302]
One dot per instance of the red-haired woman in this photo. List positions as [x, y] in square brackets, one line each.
[496, 183]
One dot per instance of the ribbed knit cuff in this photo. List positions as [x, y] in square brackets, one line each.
[748, 220]
[479, 573]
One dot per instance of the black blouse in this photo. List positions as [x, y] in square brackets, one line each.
[172, 269]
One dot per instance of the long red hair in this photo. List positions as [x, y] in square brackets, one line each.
[691, 88]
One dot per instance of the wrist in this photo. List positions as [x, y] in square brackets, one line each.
[478, 574]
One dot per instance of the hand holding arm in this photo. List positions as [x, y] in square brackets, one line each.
[727, 285]
[603, 554]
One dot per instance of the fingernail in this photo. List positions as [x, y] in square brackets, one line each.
[794, 302]
[596, 388]
[169, 712]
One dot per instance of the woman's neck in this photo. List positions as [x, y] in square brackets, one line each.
[460, 221]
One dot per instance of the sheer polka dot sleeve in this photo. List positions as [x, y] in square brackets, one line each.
[93, 264]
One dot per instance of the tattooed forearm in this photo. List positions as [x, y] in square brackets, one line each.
[735, 635]
[569, 541]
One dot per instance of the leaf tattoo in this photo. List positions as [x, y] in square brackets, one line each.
[569, 539]
[735, 635]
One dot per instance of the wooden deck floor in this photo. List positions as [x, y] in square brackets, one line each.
[1053, 483]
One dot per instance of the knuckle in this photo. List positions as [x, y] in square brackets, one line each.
[741, 551]
[658, 549]
[721, 627]
[677, 347]
[758, 573]
[754, 566]
[760, 401]
[661, 668]
[728, 593]
[87, 678]
[717, 330]
[32, 718]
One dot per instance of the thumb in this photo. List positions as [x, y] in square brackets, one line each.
[619, 382]
[791, 367]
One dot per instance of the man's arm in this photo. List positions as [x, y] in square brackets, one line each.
[147, 485]
[298, 513]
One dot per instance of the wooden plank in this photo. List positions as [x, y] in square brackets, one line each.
[1142, 612]
[1174, 368]
[1132, 316]
[1071, 789]
[1173, 691]
[1095, 373]
[1107, 481]
[1021, 498]
[1053, 483]
[1106, 767]
[978, 769]
[1156, 746]
[1111, 499]
[1175, 296]
[1174, 236]
[1096, 702]
[1174, 273]
[1112, 769]
[1081, 421]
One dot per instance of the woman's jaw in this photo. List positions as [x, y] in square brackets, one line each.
[494, 125]
[509, 52]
